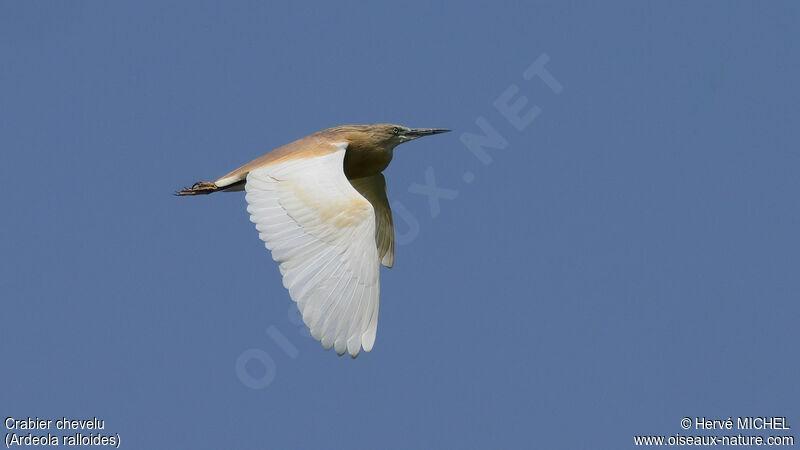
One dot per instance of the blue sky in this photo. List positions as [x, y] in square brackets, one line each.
[629, 258]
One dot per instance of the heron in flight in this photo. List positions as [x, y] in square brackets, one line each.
[319, 204]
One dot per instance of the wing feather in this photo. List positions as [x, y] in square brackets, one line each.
[373, 188]
[322, 232]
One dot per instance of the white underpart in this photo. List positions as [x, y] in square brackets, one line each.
[322, 233]
[226, 181]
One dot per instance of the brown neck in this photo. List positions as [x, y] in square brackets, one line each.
[364, 157]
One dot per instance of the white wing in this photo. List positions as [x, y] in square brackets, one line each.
[322, 232]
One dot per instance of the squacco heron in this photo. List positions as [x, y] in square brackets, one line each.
[320, 206]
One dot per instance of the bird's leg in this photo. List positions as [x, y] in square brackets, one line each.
[201, 187]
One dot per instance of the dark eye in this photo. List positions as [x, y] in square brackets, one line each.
[396, 131]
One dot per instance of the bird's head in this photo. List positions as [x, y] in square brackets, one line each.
[385, 135]
[395, 135]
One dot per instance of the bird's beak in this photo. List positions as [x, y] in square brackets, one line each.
[419, 132]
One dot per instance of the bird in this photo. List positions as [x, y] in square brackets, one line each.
[320, 206]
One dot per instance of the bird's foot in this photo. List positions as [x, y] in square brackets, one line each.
[201, 187]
